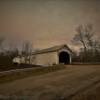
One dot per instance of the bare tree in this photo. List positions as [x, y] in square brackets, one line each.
[27, 51]
[89, 35]
[1, 41]
[93, 43]
[80, 37]
[85, 36]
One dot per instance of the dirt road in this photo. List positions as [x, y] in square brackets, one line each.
[53, 86]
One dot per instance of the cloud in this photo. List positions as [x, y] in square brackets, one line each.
[46, 22]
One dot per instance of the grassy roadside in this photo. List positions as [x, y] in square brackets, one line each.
[11, 76]
[93, 94]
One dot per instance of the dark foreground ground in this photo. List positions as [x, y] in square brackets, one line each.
[75, 82]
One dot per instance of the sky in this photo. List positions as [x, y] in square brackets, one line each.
[46, 23]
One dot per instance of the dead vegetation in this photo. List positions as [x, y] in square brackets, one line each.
[75, 82]
[12, 75]
[90, 94]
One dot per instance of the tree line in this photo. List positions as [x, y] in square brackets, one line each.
[7, 55]
[89, 44]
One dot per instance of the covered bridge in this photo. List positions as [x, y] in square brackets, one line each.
[61, 54]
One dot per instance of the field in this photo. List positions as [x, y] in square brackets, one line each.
[75, 82]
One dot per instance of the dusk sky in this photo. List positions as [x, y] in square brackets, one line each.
[46, 23]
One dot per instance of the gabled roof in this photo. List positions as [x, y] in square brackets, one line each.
[52, 49]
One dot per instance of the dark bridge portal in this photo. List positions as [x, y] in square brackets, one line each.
[64, 57]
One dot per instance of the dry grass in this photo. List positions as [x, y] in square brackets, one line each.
[73, 83]
[11, 76]
[92, 94]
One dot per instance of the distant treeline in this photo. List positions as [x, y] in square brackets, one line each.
[89, 44]
[90, 57]
[7, 57]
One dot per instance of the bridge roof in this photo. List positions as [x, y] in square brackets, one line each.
[52, 49]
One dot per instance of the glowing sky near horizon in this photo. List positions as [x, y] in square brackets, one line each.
[46, 22]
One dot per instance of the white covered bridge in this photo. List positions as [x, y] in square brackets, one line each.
[51, 56]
